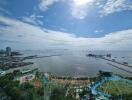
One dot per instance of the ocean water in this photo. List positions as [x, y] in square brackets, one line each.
[76, 63]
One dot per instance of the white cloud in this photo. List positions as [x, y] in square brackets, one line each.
[79, 8]
[98, 31]
[4, 11]
[45, 4]
[33, 19]
[30, 36]
[79, 12]
[112, 6]
[29, 20]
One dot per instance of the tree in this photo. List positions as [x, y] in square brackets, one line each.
[57, 94]
[26, 95]
[40, 91]
[26, 86]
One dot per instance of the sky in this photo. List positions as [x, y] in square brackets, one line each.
[58, 24]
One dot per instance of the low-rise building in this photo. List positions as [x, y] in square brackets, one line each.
[27, 78]
[2, 73]
[102, 98]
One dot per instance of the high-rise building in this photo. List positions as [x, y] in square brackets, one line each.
[8, 51]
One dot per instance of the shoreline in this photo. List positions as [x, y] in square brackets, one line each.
[114, 61]
[120, 68]
[84, 77]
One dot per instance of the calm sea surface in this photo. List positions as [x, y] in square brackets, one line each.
[76, 63]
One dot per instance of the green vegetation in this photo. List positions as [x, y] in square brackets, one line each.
[118, 88]
[37, 89]
[59, 94]
[16, 91]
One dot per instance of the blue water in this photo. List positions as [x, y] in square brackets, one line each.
[76, 63]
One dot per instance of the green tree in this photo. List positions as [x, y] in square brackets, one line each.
[58, 94]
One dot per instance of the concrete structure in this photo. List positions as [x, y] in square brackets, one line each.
[2, 73]
[102, 98]
[8, 51]
[24, 71]
[2, 53]
[27, 78]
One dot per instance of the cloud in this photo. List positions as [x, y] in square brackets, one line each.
[33, 19]
[112, 6]
[79, 9]
[79, 12]
[35, 37]
[98, 31]
[4, 12]
[45, 4]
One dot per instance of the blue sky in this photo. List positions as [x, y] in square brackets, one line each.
[67, 23]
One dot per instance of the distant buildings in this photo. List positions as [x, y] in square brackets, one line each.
[2, 52]
[8, 51]
[108, 55]
[125, 63]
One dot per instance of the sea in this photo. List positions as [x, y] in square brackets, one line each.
[75, 63]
